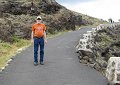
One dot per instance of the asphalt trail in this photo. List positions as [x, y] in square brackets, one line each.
[61, 67]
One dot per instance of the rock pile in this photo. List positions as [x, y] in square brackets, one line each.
[113, 70]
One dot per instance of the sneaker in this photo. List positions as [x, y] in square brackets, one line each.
[35, 63]
[41, 63]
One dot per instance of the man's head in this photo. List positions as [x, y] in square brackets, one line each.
[39, 19]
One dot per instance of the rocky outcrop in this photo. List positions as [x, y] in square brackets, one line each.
[105, 44]
[108, 41]
[17, 17]
[113, 71]
[49, 6]
[11, 27]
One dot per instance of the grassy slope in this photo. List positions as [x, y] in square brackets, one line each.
[8, 50]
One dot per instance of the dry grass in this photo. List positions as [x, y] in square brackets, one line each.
[8, 50]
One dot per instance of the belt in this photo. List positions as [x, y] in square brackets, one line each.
[37, 37]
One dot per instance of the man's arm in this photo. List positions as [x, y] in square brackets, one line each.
[32, 41]
[45, 37]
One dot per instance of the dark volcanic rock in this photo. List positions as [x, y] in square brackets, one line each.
[22, 14]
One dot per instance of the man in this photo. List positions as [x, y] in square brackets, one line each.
[38, 38]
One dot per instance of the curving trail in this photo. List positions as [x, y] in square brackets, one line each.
[61, 67]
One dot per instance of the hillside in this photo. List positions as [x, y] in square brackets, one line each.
[107, 44]
[103, 45]
[17, 17]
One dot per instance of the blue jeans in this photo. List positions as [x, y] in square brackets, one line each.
[38, 42]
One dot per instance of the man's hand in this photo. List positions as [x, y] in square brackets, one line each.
[45, 41]
[32, 41]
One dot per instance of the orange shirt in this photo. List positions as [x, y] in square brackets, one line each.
[38, 29]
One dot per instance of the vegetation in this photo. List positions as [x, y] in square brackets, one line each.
[8, 50]
[108, 42]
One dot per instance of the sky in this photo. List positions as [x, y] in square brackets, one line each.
[102, 9]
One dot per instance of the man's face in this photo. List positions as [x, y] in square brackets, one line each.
[38, 20]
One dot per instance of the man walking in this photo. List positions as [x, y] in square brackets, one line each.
[38, 38]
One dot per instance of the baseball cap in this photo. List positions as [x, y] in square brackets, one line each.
[39, 17]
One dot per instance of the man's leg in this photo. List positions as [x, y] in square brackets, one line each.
[36, 45]
[41, 50]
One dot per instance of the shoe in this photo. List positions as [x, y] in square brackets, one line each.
[35, 63]
[41, 63]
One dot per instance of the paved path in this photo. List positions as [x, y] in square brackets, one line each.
[61, 67]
